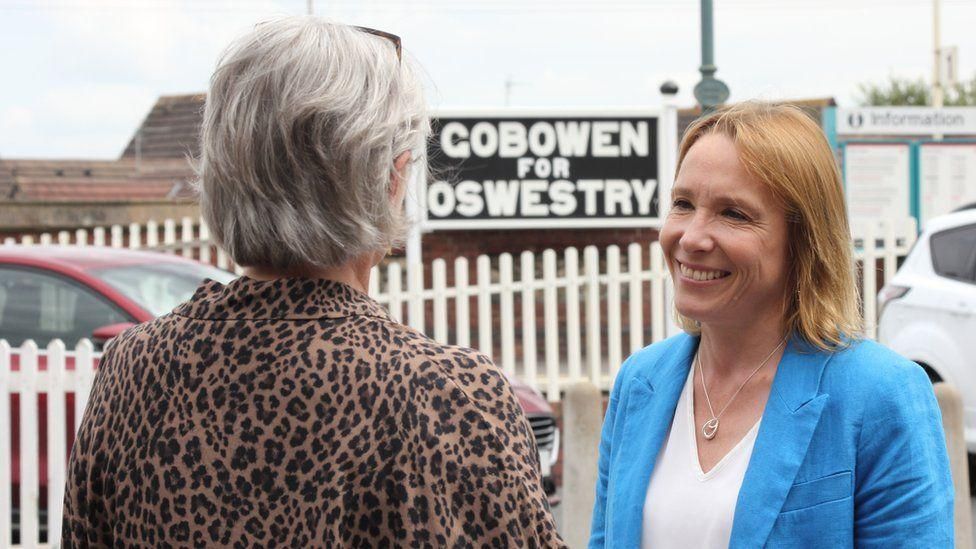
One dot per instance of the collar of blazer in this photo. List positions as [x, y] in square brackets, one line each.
[789, 420]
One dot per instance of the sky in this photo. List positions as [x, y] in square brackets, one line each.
[78, 76]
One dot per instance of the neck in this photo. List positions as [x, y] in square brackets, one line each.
[733, 350]
[353, 273]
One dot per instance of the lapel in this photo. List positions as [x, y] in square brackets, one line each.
[651, 399]
[789, 420]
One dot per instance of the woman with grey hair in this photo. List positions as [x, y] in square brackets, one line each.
[289, 408]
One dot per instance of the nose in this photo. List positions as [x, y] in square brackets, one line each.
[696, 236]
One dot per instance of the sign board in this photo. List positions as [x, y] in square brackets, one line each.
[517, 168]
[948, 177]
[711, 92]
[877, 179]
[906, 121]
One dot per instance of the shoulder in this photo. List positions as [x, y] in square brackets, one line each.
[652, 360]
[885, 384]
[451, 370]
[866, 365]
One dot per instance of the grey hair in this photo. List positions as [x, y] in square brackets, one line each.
[302, 124]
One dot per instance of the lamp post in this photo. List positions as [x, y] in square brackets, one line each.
[710, 91]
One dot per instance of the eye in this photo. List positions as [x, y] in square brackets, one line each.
[732, 213]
[681, 204]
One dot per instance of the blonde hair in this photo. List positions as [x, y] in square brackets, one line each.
[785, 149]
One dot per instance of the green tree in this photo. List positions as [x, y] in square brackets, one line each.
[914, 92]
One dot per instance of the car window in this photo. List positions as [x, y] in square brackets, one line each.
[954, 253]
[160, 287]
[43, 307]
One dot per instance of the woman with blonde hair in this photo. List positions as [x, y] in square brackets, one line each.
[288, 408]
[769, 422]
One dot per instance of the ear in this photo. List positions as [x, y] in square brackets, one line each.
[398, 179]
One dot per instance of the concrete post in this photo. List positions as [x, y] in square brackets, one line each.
[582, 422]
[952, 421]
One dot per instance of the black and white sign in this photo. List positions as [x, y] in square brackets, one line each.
[512, 169]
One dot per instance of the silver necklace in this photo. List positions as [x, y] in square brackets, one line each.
[710, 427]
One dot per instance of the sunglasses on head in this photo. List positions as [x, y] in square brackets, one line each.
[391, 37]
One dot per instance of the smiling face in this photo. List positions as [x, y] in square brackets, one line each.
[725, 240]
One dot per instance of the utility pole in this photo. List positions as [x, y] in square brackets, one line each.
[937, 91]
[710, 91]
[309, 4]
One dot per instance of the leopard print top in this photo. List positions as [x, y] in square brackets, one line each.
[299, 413]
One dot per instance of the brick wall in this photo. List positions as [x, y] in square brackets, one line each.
[470, 244]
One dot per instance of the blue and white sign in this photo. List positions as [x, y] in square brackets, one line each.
[906, 121]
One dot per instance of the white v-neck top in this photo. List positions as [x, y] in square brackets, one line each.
[686, 507]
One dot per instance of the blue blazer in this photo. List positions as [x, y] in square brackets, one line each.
[850, 451]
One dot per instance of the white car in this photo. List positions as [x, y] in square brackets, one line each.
[928, 310]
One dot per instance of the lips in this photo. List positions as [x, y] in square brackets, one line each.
[701, 275]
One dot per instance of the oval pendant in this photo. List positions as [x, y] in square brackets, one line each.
[710, 428]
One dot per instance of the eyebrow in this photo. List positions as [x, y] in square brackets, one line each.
[738, 202]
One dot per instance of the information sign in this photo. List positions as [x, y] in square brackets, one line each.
[948, 177]
[877, 179]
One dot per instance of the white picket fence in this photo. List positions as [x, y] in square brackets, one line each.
[188, 236]
[54, 372]
[548, 319]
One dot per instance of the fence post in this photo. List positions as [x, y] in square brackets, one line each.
[462, 313]
[169, 235]
[84, 378]
[506, 305]
[152, 234]
[374, 282]
[529, 351]
[614, 314]
[56, 438]
[135, 236]
[117, 236]
[415, 298]
[950, 402]
[634, 300]
[591, 265]
[204, 242]
[573, 343]
[890, 244]
[659, 308]
[869, 281]
[484, 306]
[394, 288]
[98, 236]
[29, 446]
[551, 318]
[186, 236]
[582, 421]
[439, 279]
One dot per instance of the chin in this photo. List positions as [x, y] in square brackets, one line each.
[694, 311]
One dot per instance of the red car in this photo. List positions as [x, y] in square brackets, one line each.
[71, 293]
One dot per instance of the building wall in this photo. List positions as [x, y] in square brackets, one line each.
[451, 244]
[38, 217]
